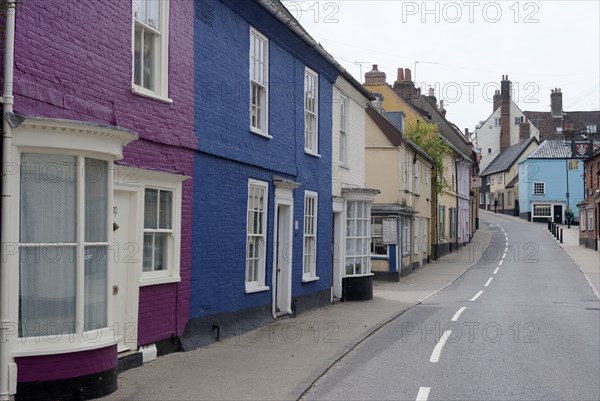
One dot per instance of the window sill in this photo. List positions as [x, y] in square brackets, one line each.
[311, 153]
[359, 275]
[380, 257]
[344, 166]
[138, 90]
[252, 290]
[260, 133]
[144, 282]
[309, 279]
[72, 343]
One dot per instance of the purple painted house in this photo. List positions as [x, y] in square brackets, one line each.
[98, 148]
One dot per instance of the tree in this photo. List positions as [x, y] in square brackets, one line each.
[426, 137]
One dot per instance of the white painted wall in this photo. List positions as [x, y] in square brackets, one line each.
[352, 176]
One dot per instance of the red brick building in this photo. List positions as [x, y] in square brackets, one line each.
[589, 208]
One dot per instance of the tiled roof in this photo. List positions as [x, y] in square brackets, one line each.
[508, 157]
[554, 149]
[547, 125]
[513, 182]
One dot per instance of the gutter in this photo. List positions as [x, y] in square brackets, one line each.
[294, 26]
[8, 369]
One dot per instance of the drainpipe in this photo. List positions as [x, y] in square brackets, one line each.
[7, 366]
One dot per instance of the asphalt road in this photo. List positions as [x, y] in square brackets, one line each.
[521, 324]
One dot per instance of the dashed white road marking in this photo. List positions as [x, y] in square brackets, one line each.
[488, 282]
[437, 351]
[505, 250]
[500, 264]
[476, 296]
[503, 255]
[423, 393]
[496, 271]
[458, 313]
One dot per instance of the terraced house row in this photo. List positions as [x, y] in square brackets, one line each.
[178, 171]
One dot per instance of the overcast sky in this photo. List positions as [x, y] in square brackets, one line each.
[540, 45]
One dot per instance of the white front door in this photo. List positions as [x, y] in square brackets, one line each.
[282, 267]
[126, 254]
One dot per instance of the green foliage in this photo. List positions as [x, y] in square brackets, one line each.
[426, 137]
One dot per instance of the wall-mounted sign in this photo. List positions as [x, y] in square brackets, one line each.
[390, 231]
[475, 182]
[581, 149]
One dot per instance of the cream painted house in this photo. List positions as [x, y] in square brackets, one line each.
[401, 213]
[351, 201]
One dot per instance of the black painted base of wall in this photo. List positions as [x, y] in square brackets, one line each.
[201, 332]
[442, 250]
[132, 361]
[357, 288]
[387, 276]
[525, 216]
[590, 243]
[75, 389]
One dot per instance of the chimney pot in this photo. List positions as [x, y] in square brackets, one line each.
[400, 74]
[431, 92]
[407, 74]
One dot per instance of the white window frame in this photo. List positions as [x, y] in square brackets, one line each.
[543, 187]
[518, 120]
[161, 55]
[309, 253]
[365, 254]
[258, 284]
[510, 197]
[263, 59]
[441, 222]
[311, 139]
[582, 220]
[427, 185]
[47, 136]
[171, 183]
[406, 169]
[344, 121]
[533, 214]
[373, 236]
[590, 222]
[591, 128]
[406, 236]
[417, 171]
[497, 121]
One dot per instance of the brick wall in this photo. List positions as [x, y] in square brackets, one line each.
[73, 60]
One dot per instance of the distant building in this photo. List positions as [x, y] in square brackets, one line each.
[550, 183]
[589, 208]
[502, 175]
[554, 124]
[506, 126]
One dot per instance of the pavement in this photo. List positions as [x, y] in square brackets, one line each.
[586, 259]
[283, 359]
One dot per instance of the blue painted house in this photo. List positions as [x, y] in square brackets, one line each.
[550, 183]
[262, 225]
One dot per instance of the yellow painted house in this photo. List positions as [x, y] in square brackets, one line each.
[451, 210]
[401, 213]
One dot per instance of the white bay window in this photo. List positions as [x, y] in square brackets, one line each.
[358, 238]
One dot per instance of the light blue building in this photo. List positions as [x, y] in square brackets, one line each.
[550, 183]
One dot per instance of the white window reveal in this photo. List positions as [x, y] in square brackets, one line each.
[441, 222]
[518, 120]
[150, 48]
[309, 264]
[343, 130]
[510, 197]
[590, 222]
[582, 220]
[259, 73]
[573, 165]
[63, 245]
[256, 235]
[539, 188]
[358, 238]
[311, 112]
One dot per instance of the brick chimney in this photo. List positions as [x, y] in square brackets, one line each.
[375, 77]
[404, 86]
[556, 106]
[524, 130]
[496, 100]
[505, 89]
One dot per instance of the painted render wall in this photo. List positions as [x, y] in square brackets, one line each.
[229, 154]
[62, 70]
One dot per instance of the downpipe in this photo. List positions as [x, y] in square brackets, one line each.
[7, 328]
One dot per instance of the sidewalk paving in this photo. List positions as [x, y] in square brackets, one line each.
[586, 259]
[280, 361]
